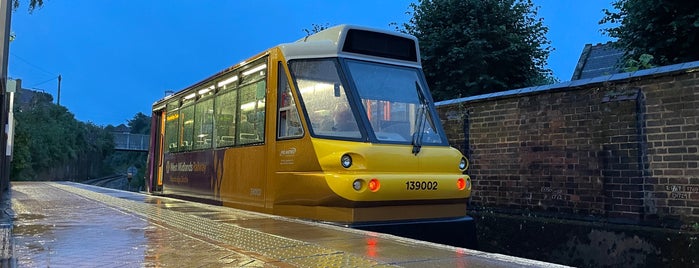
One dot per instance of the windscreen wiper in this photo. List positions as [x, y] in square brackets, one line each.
[420, 121]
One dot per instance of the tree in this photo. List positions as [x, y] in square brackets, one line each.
[315, 28]
[140, 124]
[471, 47]
[33, 4]
[50, 143]
[667, 30]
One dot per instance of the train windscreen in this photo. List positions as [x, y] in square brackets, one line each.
[394, 102]
[389, 98]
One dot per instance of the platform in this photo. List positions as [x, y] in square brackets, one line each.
[74, 225]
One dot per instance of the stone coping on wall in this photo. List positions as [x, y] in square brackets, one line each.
[658, 71]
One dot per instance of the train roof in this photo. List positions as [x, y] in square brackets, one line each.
[352, 41]
[345, 40]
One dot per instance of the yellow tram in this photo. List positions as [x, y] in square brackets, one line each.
[337, 127]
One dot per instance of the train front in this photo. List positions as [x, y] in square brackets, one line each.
[381, 149]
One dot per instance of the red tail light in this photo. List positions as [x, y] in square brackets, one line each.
[461, 184]
[374, 185]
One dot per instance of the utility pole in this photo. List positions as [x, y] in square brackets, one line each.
[58, 101]
[5, 13]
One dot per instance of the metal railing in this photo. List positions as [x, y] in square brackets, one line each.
[131, 142]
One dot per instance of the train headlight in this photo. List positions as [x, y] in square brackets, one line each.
[346, 161]
[463, 164]
[357, 184]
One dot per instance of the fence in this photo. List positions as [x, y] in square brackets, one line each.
[131, 142]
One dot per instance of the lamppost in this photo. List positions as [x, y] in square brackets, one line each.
[5, 13]
[58, 100]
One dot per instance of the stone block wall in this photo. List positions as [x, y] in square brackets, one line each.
[619, 149]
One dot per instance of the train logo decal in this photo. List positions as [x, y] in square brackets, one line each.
[288, 152]
[185, 167]
[287, 156]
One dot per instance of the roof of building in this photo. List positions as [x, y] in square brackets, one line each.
[122, 128]
[598, 60]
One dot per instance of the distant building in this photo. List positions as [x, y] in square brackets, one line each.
[598, 60]
[121, 128]
[27, 98]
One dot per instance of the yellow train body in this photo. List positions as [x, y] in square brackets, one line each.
[393, 165]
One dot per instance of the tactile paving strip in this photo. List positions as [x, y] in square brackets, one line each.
[55, 228]
[294, 252]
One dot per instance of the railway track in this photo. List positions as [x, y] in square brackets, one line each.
[118, 181]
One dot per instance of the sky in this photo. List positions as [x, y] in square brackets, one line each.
[116, 58]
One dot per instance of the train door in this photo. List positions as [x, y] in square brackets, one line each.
[293, 154]
[154, 180]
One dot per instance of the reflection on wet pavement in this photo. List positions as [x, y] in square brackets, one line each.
[73, 225]
[77, 232]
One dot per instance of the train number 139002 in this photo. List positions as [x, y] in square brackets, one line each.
[421, 185]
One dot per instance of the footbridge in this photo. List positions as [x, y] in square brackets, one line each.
[130, 142]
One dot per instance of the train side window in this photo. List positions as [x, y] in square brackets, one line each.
[187, 127]
[172, 128]
[289, 123]
[225, 116]
[203, 124]
[252, 113]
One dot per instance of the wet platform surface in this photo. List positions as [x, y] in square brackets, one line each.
[75, 225]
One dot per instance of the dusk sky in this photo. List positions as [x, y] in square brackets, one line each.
[118, 57]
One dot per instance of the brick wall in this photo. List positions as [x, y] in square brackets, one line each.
[622, 148]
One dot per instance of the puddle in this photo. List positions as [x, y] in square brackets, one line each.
[29, 217]
[31, 229]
